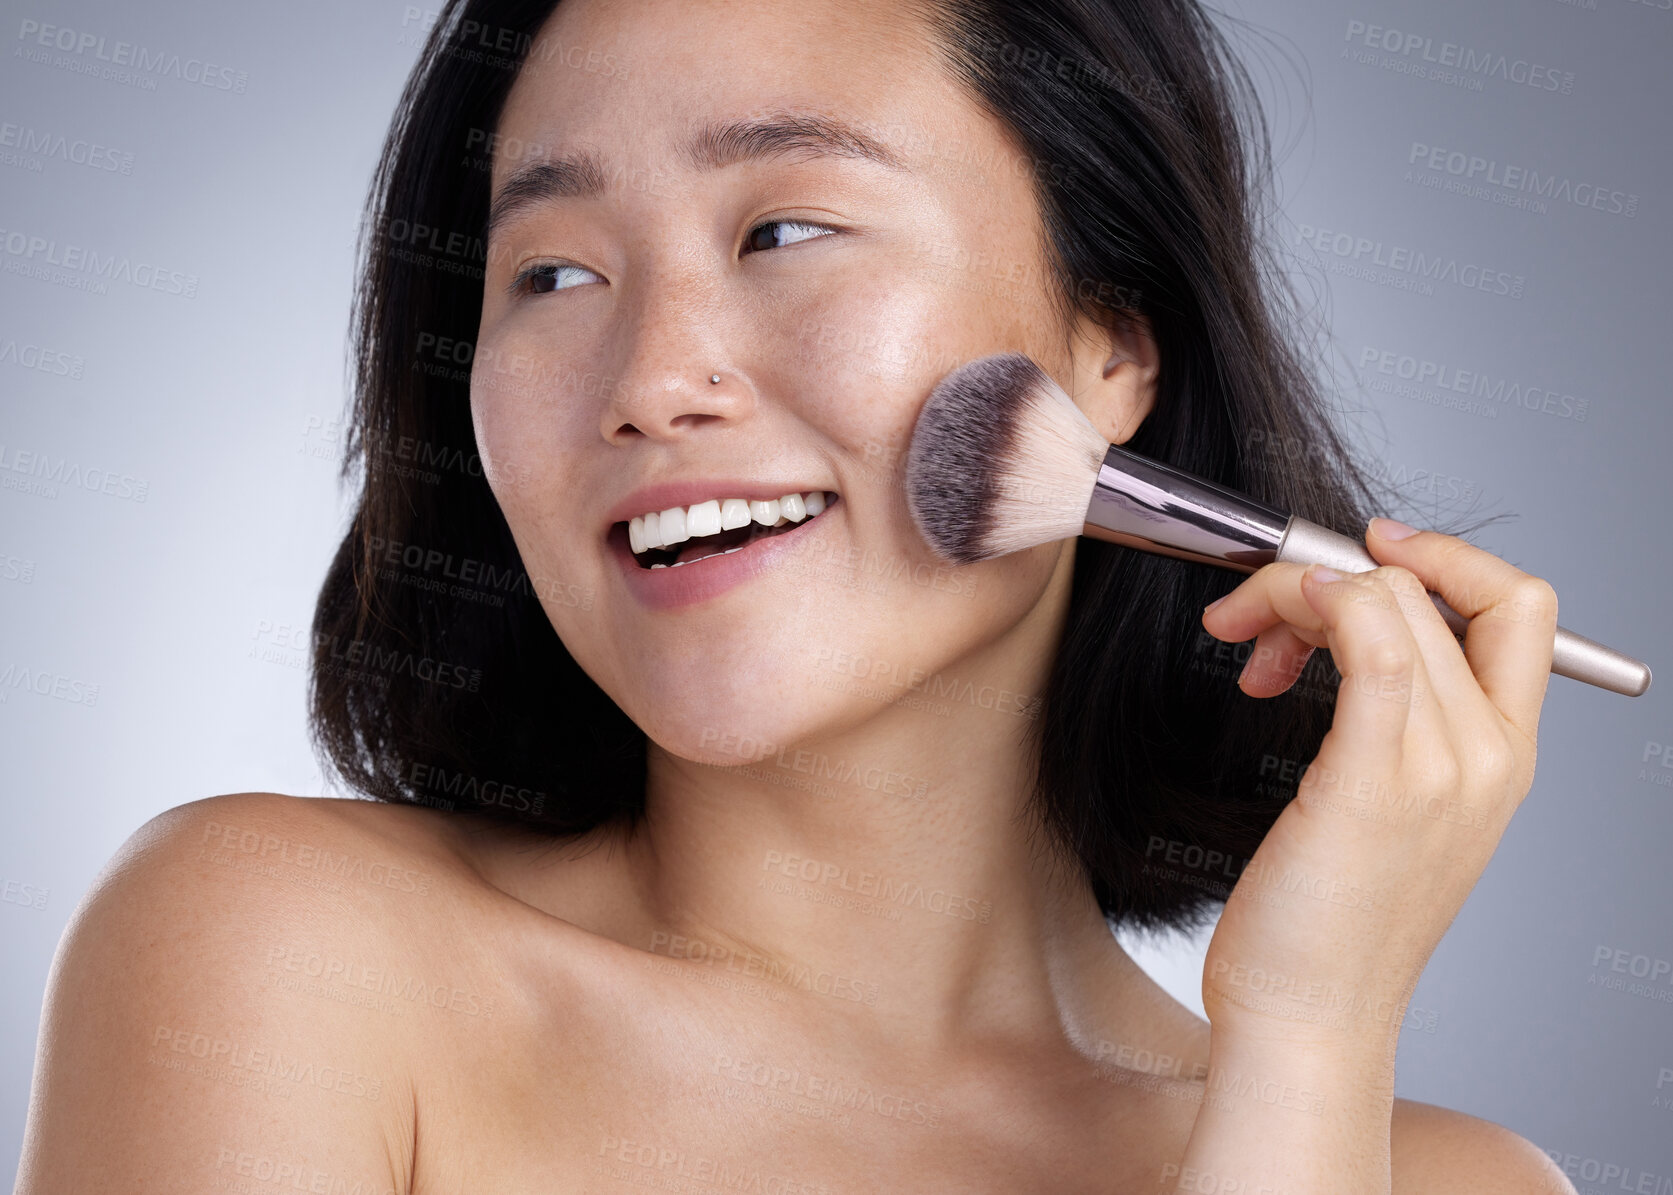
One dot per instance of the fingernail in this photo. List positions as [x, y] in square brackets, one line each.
[1215, 603]
[1390, 528]
[1323, 576]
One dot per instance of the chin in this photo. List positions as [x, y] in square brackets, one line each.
[730, 738]
[700, 704]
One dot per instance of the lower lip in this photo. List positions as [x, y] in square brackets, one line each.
[674, 588]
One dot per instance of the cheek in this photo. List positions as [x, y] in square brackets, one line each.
[868, 347]
[512, 457]
[525, 447]
[865, 353]
[529, 400]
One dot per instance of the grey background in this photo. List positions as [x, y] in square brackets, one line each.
[188, 609]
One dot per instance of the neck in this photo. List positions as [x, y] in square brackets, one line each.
[890, 867]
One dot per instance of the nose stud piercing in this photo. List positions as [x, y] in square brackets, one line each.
[714, 379]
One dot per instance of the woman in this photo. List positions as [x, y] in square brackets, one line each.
[791, 868]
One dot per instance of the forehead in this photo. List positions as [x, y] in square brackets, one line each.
[634, 79]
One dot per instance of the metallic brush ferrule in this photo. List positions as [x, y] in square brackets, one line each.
[1141, 503]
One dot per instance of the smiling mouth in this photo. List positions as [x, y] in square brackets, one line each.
[728, 540]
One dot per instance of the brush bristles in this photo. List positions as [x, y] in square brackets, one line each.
[1001, 460]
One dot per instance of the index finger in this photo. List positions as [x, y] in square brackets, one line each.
[1512, 615]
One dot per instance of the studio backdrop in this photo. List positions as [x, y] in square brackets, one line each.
[1475, 201]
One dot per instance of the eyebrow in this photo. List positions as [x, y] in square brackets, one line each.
[582, 175]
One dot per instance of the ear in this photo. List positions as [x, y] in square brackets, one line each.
[1114, 366]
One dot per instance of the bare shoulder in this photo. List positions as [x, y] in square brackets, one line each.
[1436, 1151]
[219, 1009]
[302, 831]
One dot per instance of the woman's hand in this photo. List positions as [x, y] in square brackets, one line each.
[1431, 751]
[1335, 916]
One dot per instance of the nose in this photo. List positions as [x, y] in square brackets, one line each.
[672, 353]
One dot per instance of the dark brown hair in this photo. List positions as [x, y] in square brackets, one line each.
[437, 678]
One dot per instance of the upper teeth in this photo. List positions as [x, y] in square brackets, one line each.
[665, 528]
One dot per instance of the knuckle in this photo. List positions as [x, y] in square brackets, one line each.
[1399, 578]
[1374, 636]
[1492, 761]
[1384, 595]
[1411, 594]
[1366, 592]
[1498, 770]
[1387, 656]
[1534, 600]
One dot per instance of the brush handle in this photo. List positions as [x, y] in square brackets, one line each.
[1144, 504]
[1572, 655]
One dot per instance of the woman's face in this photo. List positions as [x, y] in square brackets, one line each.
[734, 219]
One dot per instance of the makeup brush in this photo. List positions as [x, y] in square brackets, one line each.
[1001, 460]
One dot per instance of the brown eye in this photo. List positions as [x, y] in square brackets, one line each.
[775, 234]
[547, 276]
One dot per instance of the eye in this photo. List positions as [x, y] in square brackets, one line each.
[775, 234]
[541, 277]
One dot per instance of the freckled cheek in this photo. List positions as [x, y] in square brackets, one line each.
[558, 551]
[524, 442]
[865, 354]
